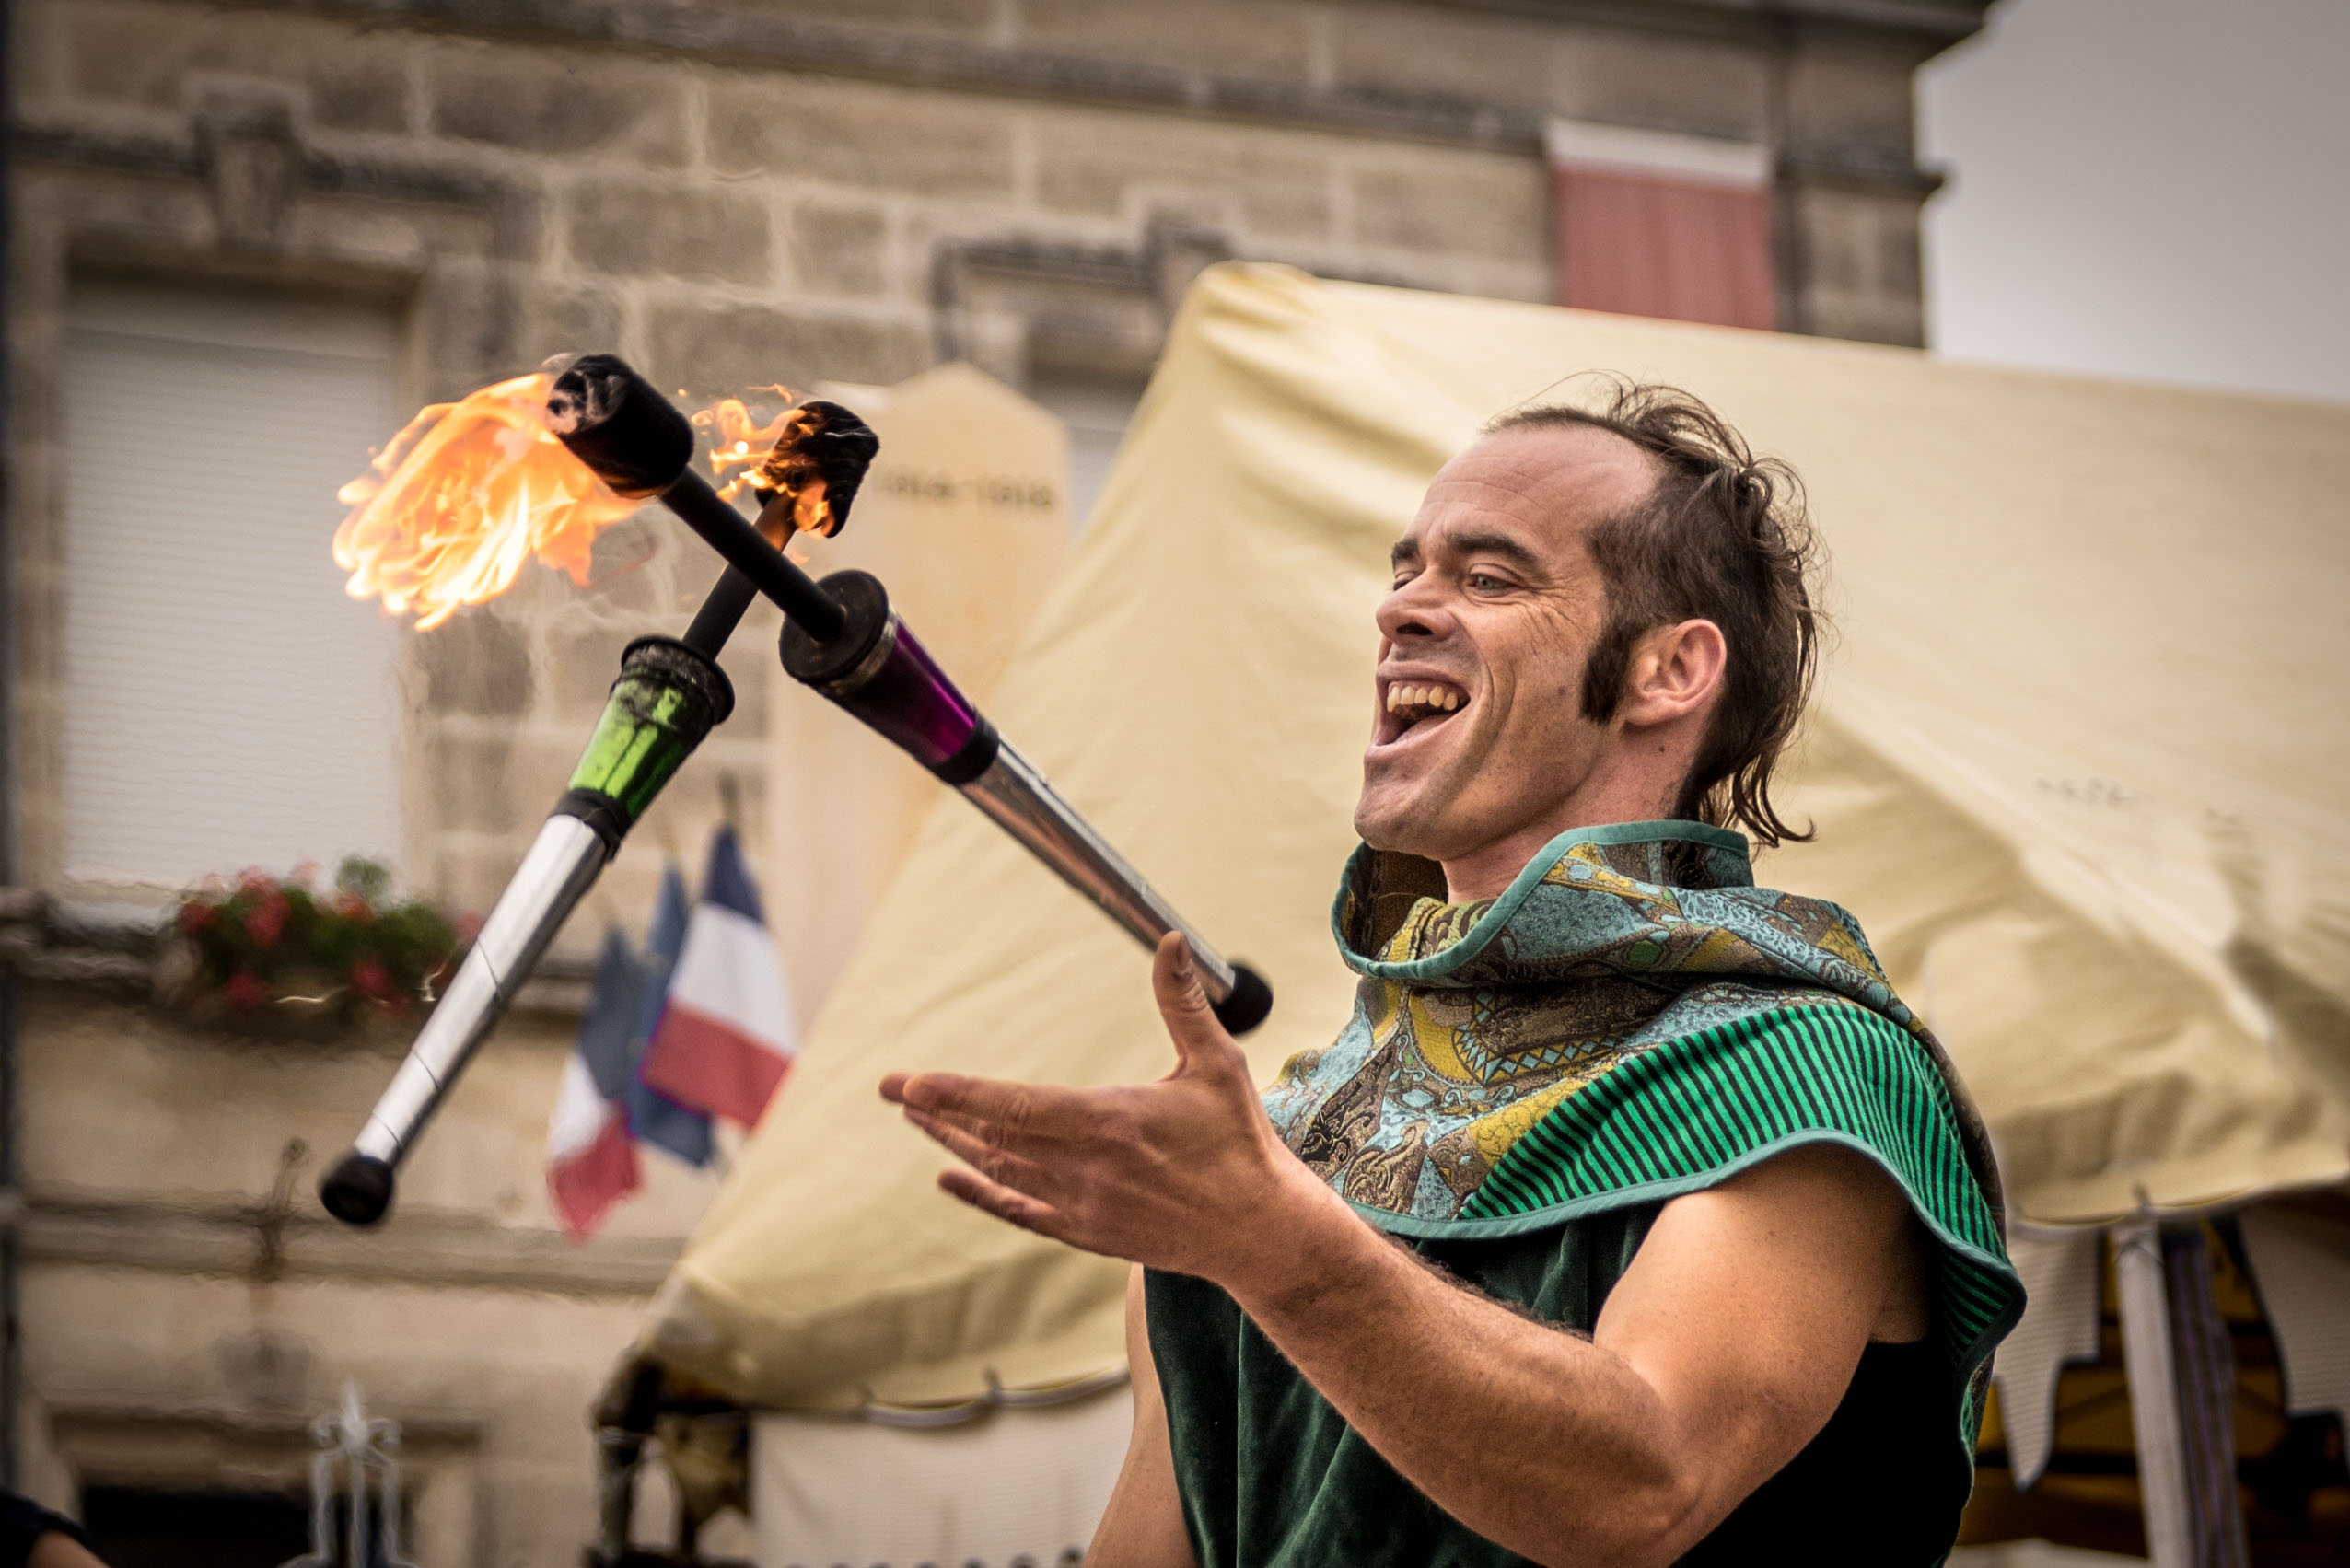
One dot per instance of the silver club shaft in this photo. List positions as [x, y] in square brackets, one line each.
[1020, 800]
[563, 863]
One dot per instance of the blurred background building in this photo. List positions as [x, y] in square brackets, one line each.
[246, 241]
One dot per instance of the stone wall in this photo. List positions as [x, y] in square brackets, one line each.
[729, 193]
[187, 1310]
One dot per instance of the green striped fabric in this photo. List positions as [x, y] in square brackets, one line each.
[1687, 1114]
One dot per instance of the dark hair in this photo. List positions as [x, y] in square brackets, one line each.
[1722, 538]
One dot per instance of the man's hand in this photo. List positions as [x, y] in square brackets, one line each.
[1184, 1174]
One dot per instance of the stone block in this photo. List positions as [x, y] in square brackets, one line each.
[872, 137]
[560, 105]
[1226, 38]
[471, 789]
[699, 235]
[476, 662]
[125, 52]
[722, 348]
[1111, 165]
[1857, 273]
[465, 312]
[753, 666]
[1447, 51]
[1483, 205]
[1838, 95]
[560, 318]
[582, 666]
[971, 18]
[1621, 76]
[838, 247]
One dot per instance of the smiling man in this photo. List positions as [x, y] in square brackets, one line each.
[1631, 1219]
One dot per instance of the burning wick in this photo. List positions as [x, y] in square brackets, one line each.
[784, 462]
[463, 496]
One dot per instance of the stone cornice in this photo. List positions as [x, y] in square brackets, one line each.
[754, 40]
[255, 1241]
[1430, 118]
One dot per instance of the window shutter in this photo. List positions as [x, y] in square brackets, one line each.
[226, 703]
[1652, 224]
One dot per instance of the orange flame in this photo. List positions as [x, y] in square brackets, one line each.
[738, 440]
[469, 490]
[463, 496]
[769, 459]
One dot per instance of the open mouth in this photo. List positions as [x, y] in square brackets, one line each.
[1416, 704]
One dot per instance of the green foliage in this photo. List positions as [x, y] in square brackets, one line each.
[350, 949]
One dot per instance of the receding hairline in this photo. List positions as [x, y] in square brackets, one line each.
[1552, 424]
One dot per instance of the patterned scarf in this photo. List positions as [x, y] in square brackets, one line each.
[1631, 1019]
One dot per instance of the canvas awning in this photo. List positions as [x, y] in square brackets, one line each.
[2078, 767]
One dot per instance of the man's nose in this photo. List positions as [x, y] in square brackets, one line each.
[1414, 611]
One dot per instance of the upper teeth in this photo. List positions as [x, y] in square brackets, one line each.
[1421, 697]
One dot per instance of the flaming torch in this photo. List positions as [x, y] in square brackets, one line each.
[669, 695]
[840, 637]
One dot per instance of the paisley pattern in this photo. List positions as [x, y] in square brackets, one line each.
[1475, 1022]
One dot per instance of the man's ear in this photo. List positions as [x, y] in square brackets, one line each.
[1676, 671]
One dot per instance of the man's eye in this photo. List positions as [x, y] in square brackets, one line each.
[1484, 580]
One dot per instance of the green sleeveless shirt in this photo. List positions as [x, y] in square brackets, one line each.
[1524, 1082]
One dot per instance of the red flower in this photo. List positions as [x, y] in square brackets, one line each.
[245, 989]
[267, 922]
[195, 916]
[371, 979]
[353, 907]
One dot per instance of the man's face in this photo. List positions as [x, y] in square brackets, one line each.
[1479, 731]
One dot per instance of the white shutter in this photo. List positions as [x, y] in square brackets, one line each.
[227, 705]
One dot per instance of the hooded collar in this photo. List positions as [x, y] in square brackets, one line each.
[1391, 922]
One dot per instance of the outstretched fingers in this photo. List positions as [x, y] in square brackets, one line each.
[995, 1197]
[997, 1162]
[1015, 1111]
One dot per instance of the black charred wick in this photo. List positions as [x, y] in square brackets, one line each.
[822, 440]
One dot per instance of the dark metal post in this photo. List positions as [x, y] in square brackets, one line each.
[11, 983]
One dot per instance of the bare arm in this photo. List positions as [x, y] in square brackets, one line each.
[1721, 1354]
[55, 1548]
[1143, 1527]
[1722, 1351]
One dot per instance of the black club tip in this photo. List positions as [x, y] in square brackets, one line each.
[1250, 1000]
[358, 1190]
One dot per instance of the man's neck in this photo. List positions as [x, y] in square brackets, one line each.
[1486, 871]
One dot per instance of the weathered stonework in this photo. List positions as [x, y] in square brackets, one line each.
[731, 194]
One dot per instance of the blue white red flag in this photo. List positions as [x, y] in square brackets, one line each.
[591, 1161]
[653, 1117]
[726, 1036]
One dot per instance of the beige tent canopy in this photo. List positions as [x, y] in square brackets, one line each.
[2078, 767]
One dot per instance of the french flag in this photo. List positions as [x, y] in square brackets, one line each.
[726, 1038]
[591, 1159]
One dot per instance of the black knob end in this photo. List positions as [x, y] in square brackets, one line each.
[618, 424]
[358, 1190]
[1250, 1000]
